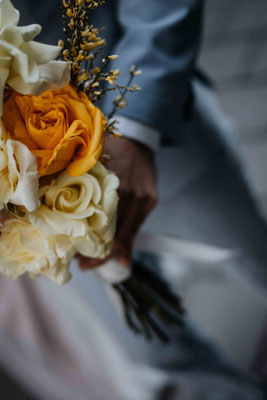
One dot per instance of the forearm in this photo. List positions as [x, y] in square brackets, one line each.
[162, 39]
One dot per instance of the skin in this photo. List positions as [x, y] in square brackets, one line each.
[3, 219]
[135, 166]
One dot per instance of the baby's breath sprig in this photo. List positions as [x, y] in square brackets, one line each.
[120, 101]
[83, 47]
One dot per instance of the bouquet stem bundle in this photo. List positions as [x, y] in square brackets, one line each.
[149, 303]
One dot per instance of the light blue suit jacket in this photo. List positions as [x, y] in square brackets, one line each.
[161, 37]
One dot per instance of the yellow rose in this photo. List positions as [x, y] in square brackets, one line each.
[25, 248]
[62, 128]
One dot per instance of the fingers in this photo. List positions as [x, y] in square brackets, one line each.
[3, 218]
[133, 211]
[87, 263]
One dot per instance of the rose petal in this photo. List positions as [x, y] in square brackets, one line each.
[53, 224]
[26, 192]
[24, 248]
[53, 75]
[8, 14]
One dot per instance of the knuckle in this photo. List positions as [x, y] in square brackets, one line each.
[154, 200]
[125, 189]
[153, 196]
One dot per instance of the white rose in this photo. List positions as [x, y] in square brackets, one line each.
[108, 203]
[25, 248]
[26, 65]
[82, 207]
[19, 178]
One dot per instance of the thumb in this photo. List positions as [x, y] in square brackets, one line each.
[122, 253]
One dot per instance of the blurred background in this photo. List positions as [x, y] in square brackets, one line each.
[234, 54]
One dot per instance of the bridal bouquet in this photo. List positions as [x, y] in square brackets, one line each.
[57, 198]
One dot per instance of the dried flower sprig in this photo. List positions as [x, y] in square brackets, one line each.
[83, 47]
[150, 306]
[120, 101]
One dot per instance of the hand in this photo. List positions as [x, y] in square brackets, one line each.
[134, 164]
[4, 216]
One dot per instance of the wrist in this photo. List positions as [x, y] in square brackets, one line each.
[139, 132]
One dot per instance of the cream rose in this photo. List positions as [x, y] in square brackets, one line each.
[108, 203]
[26, 65]
[83, 208]
[19, 178]
[25, 248]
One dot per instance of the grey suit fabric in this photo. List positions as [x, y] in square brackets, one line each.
[161, 37]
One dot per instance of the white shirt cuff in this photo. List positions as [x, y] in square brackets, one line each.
[135, 130]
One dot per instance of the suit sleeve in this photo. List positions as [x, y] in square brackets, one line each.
[161, 37]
